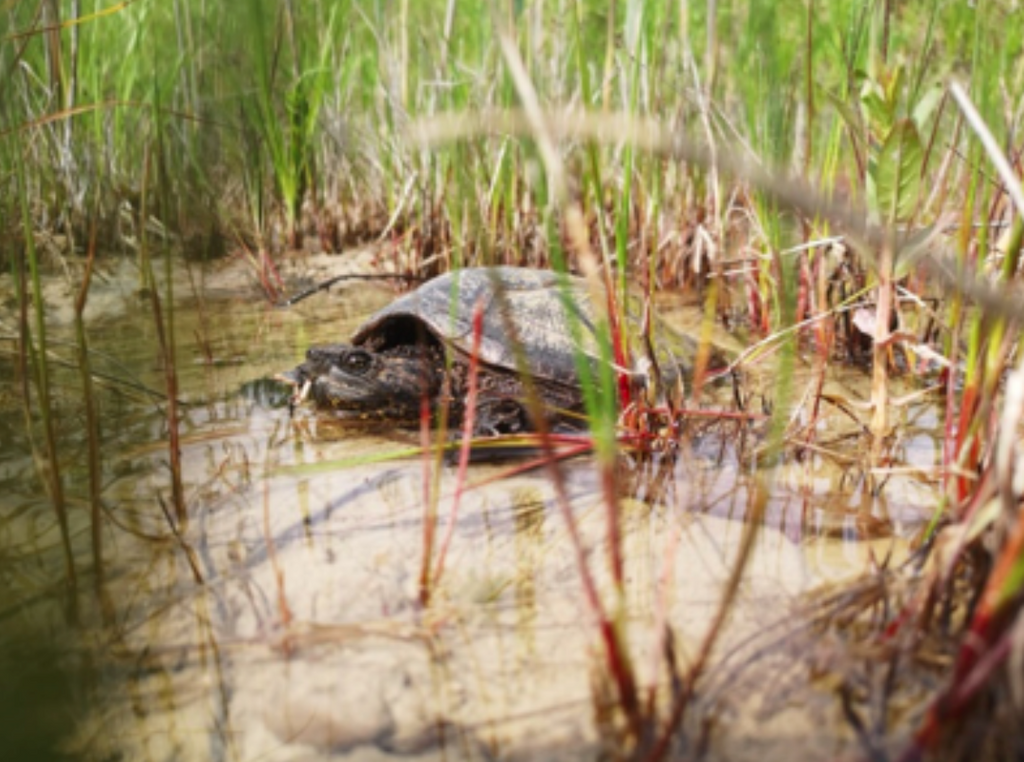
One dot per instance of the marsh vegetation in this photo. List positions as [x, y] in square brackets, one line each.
[828, 194]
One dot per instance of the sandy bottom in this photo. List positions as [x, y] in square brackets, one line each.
[285, 621]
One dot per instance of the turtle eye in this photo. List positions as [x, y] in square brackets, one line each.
[357, 362]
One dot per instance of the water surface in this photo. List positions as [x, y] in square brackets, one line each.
[284, 620]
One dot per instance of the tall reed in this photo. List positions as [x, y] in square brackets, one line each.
[34, 366]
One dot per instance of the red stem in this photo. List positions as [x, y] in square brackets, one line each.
[468, 422]
[429, 516]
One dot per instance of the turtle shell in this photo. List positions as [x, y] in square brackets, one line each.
[536, 308]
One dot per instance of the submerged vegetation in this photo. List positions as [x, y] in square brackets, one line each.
[834, 182]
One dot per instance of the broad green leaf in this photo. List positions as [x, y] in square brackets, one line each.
[879, 112]
[897, 173]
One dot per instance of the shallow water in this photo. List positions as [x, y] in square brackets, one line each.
[283, 621]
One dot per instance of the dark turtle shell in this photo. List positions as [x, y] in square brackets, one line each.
[531, 304]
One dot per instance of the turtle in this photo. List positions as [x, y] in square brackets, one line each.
[418, 348]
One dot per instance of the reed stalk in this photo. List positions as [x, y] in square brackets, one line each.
[468, 429]
[36, 365]
[431, 459]
[165, 348]
[92, 426]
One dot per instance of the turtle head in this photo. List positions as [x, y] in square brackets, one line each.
[358, 382]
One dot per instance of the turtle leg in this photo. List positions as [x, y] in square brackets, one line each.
[501, 406]
[500, 414]
[509, 415]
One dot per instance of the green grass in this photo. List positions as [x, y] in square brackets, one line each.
[314, 106]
